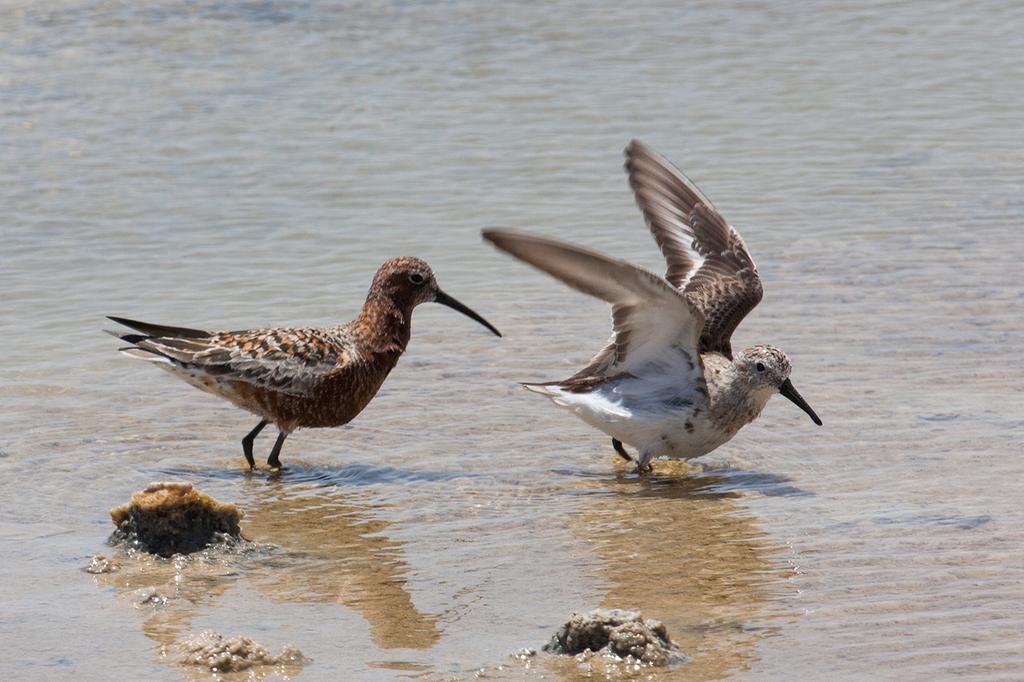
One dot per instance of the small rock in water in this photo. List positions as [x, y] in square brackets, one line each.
[174, 518]
[101, 564]
[148, 596]
[623, 633]
[211, 650]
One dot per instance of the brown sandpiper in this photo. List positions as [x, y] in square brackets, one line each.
[300, 377]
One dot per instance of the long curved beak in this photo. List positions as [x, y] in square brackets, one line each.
[445, 299]
[787, 389]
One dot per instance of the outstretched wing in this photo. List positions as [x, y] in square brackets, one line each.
[649, 317]
[707, 259]
[287, 360]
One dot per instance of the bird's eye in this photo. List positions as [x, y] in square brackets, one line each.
[416, 278]
[760, 367]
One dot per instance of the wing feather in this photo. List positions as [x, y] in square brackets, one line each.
[291, 361]
[648, 314]
[707, 259]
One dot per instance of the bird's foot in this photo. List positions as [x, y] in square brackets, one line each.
[644, 469]
[274, 461]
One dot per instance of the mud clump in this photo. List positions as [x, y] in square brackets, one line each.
[100, 564]
[622, 633]
[148, 596]
[174, 518]
[211, 650]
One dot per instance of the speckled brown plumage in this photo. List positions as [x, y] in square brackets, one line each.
[707, 259]
[301, 377]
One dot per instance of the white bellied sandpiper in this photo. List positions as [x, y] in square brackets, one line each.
[667, 383]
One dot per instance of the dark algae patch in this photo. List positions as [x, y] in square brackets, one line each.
[174, 518]
[624, 634]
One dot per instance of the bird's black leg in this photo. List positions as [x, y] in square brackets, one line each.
[617, 444]
[273, 461]
[247, 443]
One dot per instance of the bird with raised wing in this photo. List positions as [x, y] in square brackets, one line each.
[667, 383]
[300, 377]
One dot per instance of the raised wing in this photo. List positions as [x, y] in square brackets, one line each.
[649, 317]
[707, 259]
[287, 360]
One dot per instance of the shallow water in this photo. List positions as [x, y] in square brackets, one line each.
[236, 164]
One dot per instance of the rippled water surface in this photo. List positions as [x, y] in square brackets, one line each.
[236, 164]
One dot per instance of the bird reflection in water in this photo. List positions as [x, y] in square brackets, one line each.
[679, 548]
[312, 543]
[336, 552]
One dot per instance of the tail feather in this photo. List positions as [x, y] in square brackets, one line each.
[130, 338]
[159, 329]
[543, 389]
[579, 401]
[140, 354]
[159, 343]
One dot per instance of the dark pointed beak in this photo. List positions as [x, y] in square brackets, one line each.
[445, 299]
[787, 389]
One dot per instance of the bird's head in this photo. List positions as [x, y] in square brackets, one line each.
[766, 368]
[408, 281]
